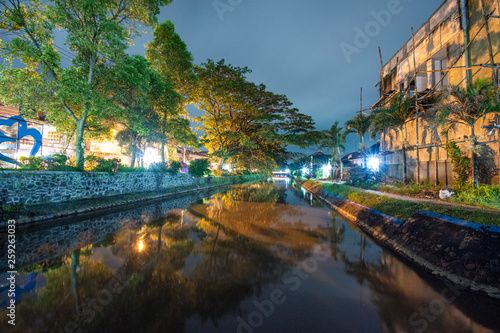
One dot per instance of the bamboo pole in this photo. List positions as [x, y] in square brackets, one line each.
[416, 104]
[493, 65]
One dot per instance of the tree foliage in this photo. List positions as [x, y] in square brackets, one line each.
[465, 106]
[395, 117]
[244, 124]
[335, 141]
[97, 33]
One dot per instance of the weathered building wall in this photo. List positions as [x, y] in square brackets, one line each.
[439, 44]
[35, 187]
[431, 143]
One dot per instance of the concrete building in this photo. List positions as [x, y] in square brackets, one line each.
[14, 144]
[435, 57]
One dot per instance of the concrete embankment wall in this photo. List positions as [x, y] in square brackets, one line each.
[38, 187]
[469, 256]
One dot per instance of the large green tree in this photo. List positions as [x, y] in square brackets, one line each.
[97, 33]
[395, 117]
[170, 57]
[144, 97]
[465, 106]
[244, 124]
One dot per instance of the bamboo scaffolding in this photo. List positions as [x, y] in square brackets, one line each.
[468, 42]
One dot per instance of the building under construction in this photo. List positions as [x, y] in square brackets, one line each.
[459, 43]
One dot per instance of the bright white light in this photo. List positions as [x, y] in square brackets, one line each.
[227, 167]
[150, 156]
[305, 171]
[326, 170]
[287, 170]
[373, 163]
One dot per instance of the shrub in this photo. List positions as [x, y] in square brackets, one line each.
[158, 167]
[125, 168]
[461, 164]
[174, 167]
[199, 168]
[55, 162]
[99, 164]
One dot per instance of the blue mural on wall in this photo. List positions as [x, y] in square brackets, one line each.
[21, 133]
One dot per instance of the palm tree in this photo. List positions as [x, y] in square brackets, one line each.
[380, 125]
[334, 141]
[395, 117]
[465, 106]
[360, 126]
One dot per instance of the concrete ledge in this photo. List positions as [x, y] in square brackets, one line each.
[38, 214]
[463, 252]
[476, 226]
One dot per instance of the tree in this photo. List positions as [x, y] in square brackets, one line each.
[360, 126]
[335, 141]
[142, 96]
[465, 106]
[244, 124]
[395, 117]
[199, 168]
[97, 32]
[169, 57]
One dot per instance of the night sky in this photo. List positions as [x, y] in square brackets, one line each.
[310, 51]
[294, 47]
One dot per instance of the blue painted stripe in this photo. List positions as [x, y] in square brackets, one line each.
[464, 223]
[376, 212]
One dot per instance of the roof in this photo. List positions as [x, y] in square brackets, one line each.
[8, 111]
[319, 154]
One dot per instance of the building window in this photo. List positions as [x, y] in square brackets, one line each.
[54, 136]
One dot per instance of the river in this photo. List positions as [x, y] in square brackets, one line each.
[256, 258]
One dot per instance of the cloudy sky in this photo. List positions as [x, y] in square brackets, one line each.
[310, 51]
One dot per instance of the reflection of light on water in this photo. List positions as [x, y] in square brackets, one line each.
[140, 246]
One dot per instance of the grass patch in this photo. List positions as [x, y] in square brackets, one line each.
[487, 196]
[412, 188]
[482, 196]
[403, 209]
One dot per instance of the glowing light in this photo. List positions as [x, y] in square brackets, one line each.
[326, 170]
[305, 171]
[227, 167]
[287, 170]
[150, 156]
[373, 163]
[140, 246]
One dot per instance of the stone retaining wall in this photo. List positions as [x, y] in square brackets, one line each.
[461, 253]
[37, 187]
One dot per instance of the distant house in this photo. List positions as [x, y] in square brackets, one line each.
[357, 158]
[319, 158]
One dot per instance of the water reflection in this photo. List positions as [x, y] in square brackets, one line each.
[205, 266]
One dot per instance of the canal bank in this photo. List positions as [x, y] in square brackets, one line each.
[455, 250]
[40, 213]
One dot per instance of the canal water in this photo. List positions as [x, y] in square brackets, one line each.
[257, 258]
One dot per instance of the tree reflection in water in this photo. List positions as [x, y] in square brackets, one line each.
[203, 263]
